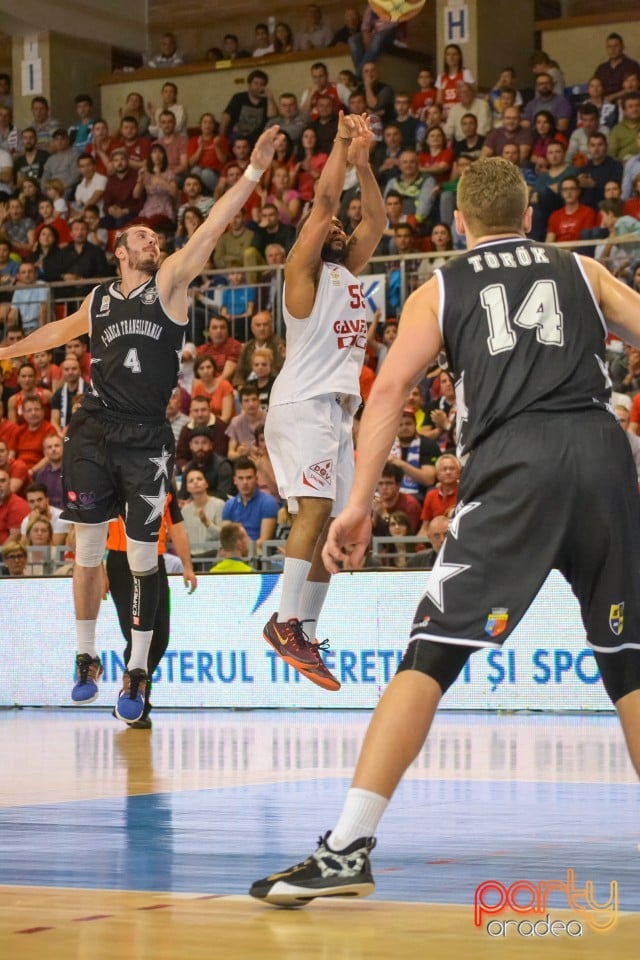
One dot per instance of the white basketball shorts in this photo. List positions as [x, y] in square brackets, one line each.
[310, 443]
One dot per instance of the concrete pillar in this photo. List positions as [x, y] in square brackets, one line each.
[62, 64]
[491, 33]
[57, 67]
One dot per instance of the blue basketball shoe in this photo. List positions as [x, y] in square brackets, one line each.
[88, 672]
[130, 705]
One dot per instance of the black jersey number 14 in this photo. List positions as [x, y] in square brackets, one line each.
[539, 311]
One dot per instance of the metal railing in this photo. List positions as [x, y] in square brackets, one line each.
[267, 282]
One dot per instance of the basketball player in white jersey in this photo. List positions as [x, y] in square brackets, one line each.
[309, 424]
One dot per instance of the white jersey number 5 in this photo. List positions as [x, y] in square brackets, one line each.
[539, 311]
[131, 361]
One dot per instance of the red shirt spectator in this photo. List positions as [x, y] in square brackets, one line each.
[436, 503]
[60, 226]
[211, 150]
[632, 208]
[13, 509]
[137, 150]
[19, 474]
[367, 377]
[8, 431]
[28, 440]
[223, 348]
[389, 500]
[423, 100]
[443, 497]
[634, 416]
[427, 160]
[568, 222]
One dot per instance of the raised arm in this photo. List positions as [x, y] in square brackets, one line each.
[619, 303]
[303, 264]
[178, 270]
[417, 345]
[366, 236]
[52, 334]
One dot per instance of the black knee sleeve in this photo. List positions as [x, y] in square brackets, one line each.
[145, 601]
[160, 637]
[442, 661]
[620, 672]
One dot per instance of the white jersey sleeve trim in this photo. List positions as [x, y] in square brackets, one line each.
[93, 294]
[440, 280]
[591, 293]
[178, 323]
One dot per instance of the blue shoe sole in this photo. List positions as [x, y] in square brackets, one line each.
[85, 700]
[136, 713]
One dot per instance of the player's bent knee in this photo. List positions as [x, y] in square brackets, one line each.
[142, 557]
[91, 540]
[441, 661]
[620, 672]
[143, 573]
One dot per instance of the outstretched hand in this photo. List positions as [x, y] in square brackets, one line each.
[347, 541]
[351, 125]
[360, 148]
[262, 153]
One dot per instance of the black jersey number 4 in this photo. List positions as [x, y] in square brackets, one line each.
[132, 361]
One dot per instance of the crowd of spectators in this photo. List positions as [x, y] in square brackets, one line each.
[64, 193]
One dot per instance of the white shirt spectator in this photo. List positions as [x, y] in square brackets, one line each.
[6, 173]
[481, 111]
[200, 536]
[57, 525]
[86, 189]
[27, 301]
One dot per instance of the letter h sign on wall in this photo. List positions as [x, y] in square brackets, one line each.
[456, 23]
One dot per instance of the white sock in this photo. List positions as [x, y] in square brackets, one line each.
[294, 577]
[314, 593]
[361, 814]
[86, 632]
[140, 644]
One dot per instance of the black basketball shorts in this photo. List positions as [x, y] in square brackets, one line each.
[114, 467]
[543, 491]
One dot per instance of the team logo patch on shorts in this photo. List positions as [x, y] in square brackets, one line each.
[496, 621]
[318, 475]
[616, 618]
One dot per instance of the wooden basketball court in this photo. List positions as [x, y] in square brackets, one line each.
[118, 843]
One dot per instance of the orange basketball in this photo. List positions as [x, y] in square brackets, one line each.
[397, 10]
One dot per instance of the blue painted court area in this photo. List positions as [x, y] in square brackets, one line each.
[438, 841]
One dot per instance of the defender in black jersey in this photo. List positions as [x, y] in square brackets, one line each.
[548, 482]
[119, 450]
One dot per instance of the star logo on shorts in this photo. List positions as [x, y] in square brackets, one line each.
[461, 510]
[438, 577]
[156, 504]
[161, 463]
